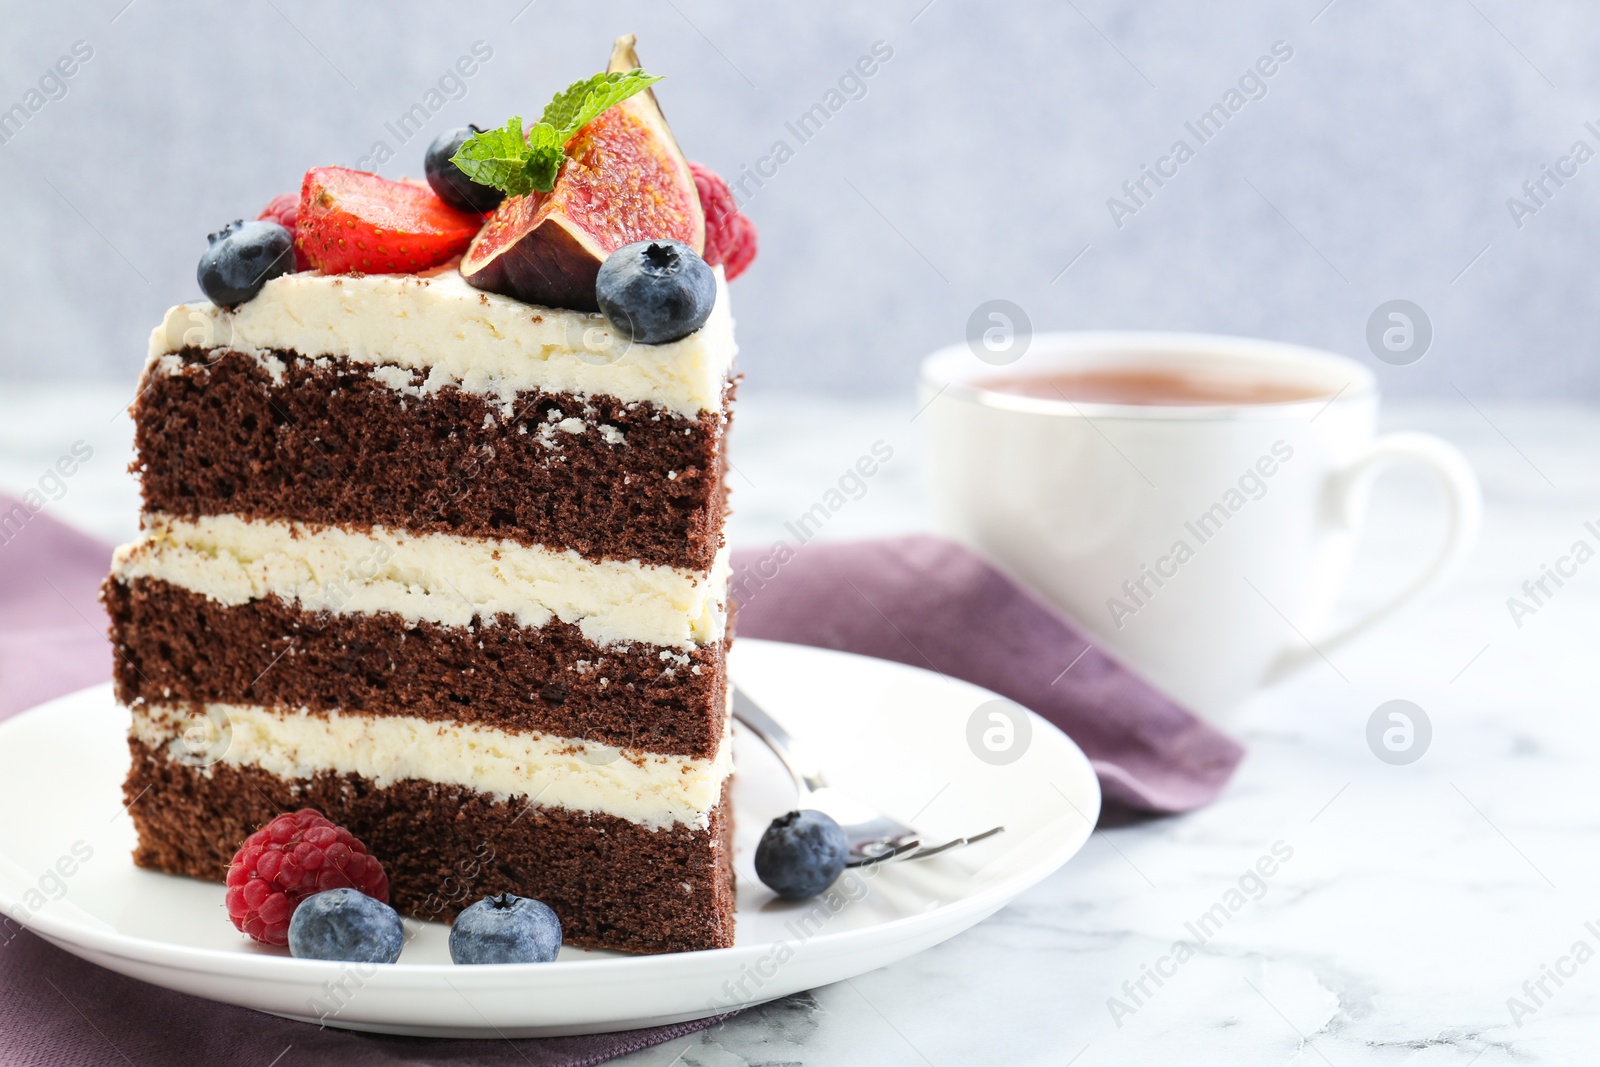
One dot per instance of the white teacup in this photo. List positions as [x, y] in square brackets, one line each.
[1204, 544]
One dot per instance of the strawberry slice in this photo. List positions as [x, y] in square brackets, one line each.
[353, 221]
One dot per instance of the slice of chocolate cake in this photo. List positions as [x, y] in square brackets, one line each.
[412, 558]
[444, 564]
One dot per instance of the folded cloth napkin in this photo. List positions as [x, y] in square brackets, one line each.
[933, 604]
[52, 628]
[57, 1009]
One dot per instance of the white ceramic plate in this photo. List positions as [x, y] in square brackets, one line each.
[895, 735]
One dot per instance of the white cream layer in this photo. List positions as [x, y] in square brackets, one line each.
[460, 336]
[439, 578]
[649, 788]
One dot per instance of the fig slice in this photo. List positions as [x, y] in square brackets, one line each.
[624, 180]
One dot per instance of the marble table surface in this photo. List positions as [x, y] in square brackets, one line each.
[1441, 912]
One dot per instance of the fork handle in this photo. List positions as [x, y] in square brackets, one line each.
[873, 836]
[807, 774]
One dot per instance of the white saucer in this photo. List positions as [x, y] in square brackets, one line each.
[895, 735]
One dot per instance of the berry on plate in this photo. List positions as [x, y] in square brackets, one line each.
[730, 235]
[801, 854]
[505, 929]
[343, 924]
[242, 257]
[655, 291]
[446, 179]
[284, 209]
[353, 221]
[288, 860]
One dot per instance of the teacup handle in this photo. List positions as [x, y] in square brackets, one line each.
[1463, 495]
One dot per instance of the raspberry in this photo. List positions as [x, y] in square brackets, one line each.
[289, 859]
[284, 209]
[730, 236]
[742, 249]
[281, 209]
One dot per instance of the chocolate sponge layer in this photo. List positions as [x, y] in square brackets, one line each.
[324, 441]
[613, 883]
[175, 646]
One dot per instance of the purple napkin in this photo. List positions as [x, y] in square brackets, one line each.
[52, 628]
[933, 604]
[57, 1009]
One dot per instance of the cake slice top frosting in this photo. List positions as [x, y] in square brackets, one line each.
[460, 336]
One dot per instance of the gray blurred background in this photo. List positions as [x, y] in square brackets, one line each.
[975, 163]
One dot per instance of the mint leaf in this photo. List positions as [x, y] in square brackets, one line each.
[577, 105]
[497, 158]
[545, 156]
[518, 163]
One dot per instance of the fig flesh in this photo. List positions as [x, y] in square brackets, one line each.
[624, 180]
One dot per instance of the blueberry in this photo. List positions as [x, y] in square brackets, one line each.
[655, 291]
[345, 924]
[241, 258]
[505, 929]
[449, 184]
[801, 854]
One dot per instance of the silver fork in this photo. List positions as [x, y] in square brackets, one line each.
[874, 836]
